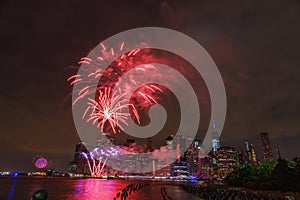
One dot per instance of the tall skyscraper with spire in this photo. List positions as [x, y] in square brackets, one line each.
[215, 138]
[268, 156]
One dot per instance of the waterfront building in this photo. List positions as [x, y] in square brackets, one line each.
[207, 171]
[226, 161]
[194, 159]
[180, 168]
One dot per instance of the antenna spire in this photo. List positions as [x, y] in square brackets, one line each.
[214, 124]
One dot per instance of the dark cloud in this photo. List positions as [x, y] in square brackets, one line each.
[254, 44]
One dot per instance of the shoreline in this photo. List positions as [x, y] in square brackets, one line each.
[214, 191]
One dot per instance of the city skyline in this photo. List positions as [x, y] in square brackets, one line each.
[254, 46]
[220, 161]
[241, 149]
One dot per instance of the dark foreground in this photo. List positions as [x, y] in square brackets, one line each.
[224, 193]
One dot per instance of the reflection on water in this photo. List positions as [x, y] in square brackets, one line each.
[57, 188]
[12, 189]
[95, 188]
[22, 188]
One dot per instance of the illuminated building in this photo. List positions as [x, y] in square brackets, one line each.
[197, 143]
[247, 145]
[194, 159]
[247, 152]
[250, 153]
[253, 154]
[195, 149]
[79, 165]
[268, 156]
[215, 139]
[216, 145]
[180, 144]
[180, 167]
[207, 171]
[226, 161]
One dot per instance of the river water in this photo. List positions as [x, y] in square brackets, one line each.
[22, 188]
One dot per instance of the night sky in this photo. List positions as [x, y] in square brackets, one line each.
[255, 46]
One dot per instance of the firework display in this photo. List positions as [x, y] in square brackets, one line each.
[96, 166]
[109, 110]
[138, 88]
[119, 85]
[40, 162]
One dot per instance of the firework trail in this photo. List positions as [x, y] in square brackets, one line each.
[96, 166]
[109, 107]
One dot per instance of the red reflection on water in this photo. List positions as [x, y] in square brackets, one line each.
[96, 189]
[60, 188]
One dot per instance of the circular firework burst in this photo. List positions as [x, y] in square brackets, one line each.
[40, 162]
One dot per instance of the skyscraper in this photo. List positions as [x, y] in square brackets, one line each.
[215, 139]
[268, 156]
[194, 160]
[250, 153]
[226, 161]
[79, 164]
[253, 154]
[247, 152]
[247, 145]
